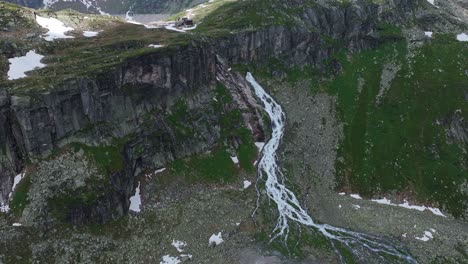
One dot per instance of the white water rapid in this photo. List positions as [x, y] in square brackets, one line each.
[288, 205]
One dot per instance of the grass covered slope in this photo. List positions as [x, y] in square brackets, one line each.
[396, 138]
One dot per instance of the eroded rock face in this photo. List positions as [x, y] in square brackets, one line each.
[161, 106]
[354, 25]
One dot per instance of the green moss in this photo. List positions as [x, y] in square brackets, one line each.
[91, 58]
[61, 205]
[397, 145]
[247, 150]
[214, 167]
[244, 15]
[389, 31]
[108, 158]
[180, 119]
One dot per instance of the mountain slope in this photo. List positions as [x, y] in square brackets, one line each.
[373, 105]
[112, 6]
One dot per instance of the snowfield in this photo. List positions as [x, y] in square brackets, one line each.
[56, 28]
[20, 65]
[463, 37]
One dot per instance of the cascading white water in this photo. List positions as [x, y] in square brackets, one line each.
[288, 205]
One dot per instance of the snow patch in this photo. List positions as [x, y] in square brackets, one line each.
[56, 28]
[179, 245]
[247, 184]
[382, 201]
[135, 200]
[355, 206]
[431, 2]
[428, 34]
[426, 237]
[159, 170]
[341, 193]
[4, 208]
[90, 34]
[216, 239]
[235, 160]
[406, 205]
[20, 65]
[462, 37]
[16, 181]
[260, 145]
[167, 259]
[17, 224]
[356, 196]
[155, 46]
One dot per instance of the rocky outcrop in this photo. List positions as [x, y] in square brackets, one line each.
[243, 97]
[319, 32]
[160, 106]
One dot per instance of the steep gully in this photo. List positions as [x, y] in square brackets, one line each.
[288, 205]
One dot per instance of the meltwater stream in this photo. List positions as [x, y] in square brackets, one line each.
[288, 205]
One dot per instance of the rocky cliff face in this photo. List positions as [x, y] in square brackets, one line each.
[318, 32]
[156, 108]
[150, 110]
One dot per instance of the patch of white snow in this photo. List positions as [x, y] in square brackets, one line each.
[383, 201]
[135, 200]
[260, 145]
[56, 28]
[426, 237]
[428, 34]
[235, 160]
[462, 37]
[356, 196]
[17, 180]
[159, 170]
[216, 239]
[20, 65]
[17, 224]
[90, 34]
[167, 259]
[156, 46]
[4, 208]
[247, 184]
[406, 205]
[179, 245]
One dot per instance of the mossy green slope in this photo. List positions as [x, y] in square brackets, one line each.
[399, 144]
